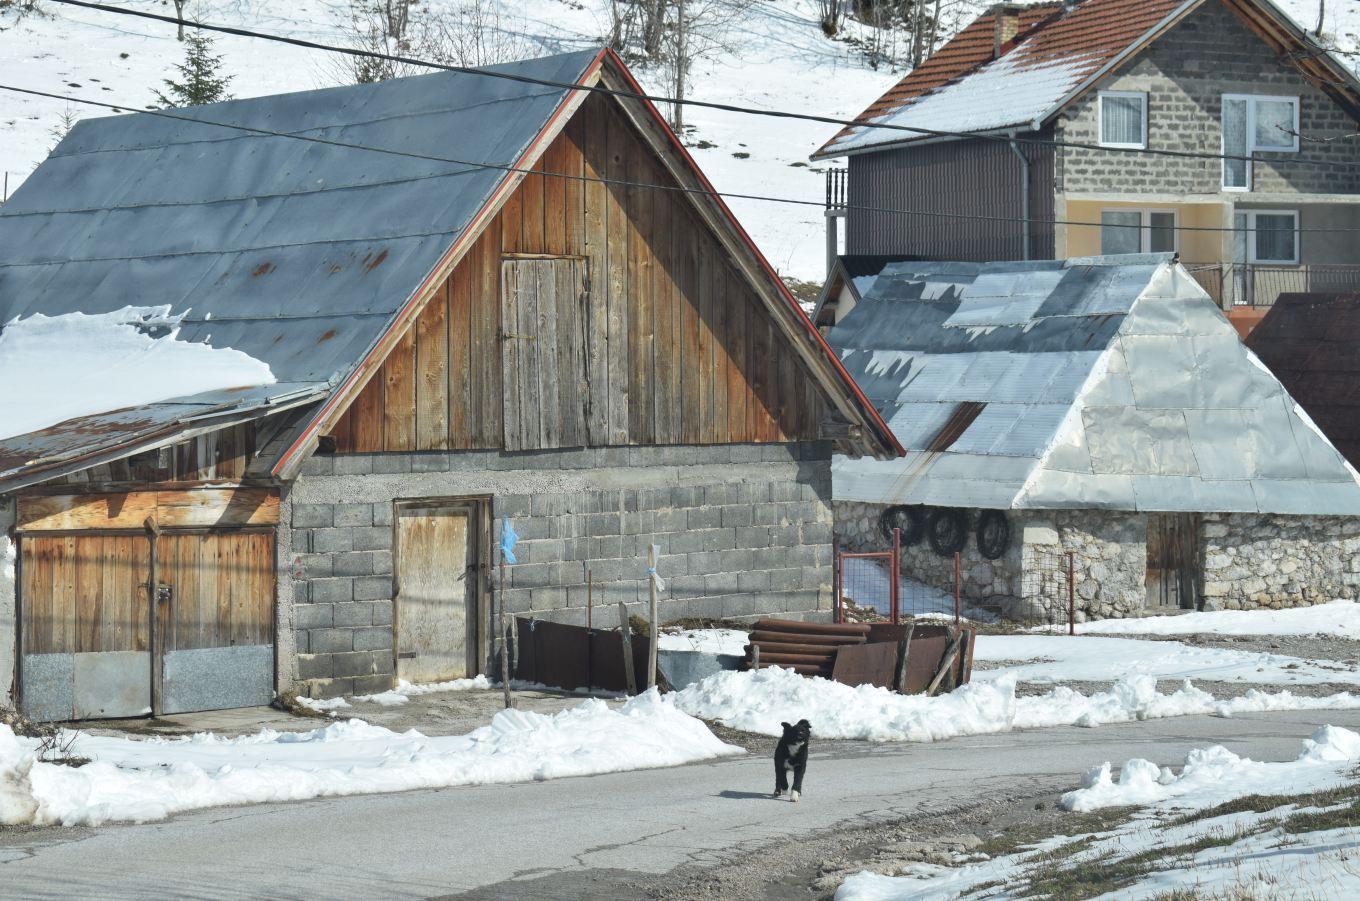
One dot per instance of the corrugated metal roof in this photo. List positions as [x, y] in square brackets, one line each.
[1309, 342]
[297, 253]
[1105, 382]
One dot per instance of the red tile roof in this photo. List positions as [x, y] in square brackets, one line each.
[1086, 38]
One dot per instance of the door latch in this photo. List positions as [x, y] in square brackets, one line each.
[164, 593]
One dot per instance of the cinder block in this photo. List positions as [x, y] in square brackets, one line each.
[372, 685]
[745, 453]
[765, 514]
[790, 579]
[391, 464]
[601, 524]
[639, 523]
[720, 583]
[353, 514]
[330, 541]
[753, 537]
[314, 666]
[362, 663]
[721, 495]
[312, 516]
[332, 591]
[318, 465]
[354, 465]
[316, 566]
[382, 514]
[670, 520]
[300, 642]
[511, 505]
[703, 518]
[736, 517]
[328, 641]
[373, 638]
[372, 588]
[312, 616]
[430, 462]
[382, 613]
[816, 577]
[735, 561]
[353, 614]
[758, 580]
[685, 587]
[301, 591]
[547, 599]
[688, 542]
[371, 538]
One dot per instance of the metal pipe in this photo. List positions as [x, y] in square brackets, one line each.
[1024, 195]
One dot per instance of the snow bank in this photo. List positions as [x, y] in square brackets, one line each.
[1062, 658]
[404, 691]
[758, 701]
[131, 780]
[1337, 618]
[710, 641]
[107, 361]
[1215, 774]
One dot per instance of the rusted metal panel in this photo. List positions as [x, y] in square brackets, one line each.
[434, 561]
[572, 657]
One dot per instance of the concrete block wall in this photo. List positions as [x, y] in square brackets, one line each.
[744, 531]
[1185, 73]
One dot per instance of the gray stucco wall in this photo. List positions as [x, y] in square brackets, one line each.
[744, 530]
[1185, 73]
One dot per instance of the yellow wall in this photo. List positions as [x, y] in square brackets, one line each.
[1195, 246]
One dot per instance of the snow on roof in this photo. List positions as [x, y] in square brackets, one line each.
[1109, 382]
[962, 88]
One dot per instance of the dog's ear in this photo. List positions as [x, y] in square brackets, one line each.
[786, 726]
[805, 723]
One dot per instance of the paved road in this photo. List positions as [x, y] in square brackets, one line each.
[557, 834]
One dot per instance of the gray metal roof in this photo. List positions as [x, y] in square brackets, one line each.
[1090, 383]
[297, 253]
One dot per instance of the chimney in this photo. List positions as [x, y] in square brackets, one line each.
[1005, 25]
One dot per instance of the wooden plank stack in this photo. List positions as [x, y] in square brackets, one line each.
[809, 649]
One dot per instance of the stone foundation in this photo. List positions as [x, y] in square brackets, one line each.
[1249, 561]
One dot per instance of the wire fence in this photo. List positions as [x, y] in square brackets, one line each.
[1043, 593]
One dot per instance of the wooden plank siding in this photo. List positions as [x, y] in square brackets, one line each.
[672, 343]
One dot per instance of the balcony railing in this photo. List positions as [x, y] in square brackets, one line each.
[836, 182]
[1256, 285]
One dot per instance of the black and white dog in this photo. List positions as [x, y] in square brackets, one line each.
[790, 756]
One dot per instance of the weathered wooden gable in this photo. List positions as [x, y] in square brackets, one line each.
[589, 312]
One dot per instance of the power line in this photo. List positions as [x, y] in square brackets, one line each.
[703, 104]
[679, 189]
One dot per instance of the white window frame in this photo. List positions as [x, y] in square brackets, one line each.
[1100, 119]
[1251, 236]
[1251, 100]
[1145, 225]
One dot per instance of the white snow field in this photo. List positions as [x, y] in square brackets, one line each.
[395, 697]
[781, 60]
[1250, 853]
[108, 361]
[150, 779]
[758, 701]
[1339, 618]
[1054, 659]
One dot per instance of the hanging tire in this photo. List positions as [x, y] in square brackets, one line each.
[993, 534]
[947, 529]
[911, 520]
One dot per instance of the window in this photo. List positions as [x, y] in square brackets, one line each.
[1252, 124]
[1123, 119]
[1267, 236]
[1137, 231]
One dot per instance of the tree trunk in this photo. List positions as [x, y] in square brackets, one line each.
[681, 65]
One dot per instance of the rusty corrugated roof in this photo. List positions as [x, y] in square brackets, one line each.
[1309, 342]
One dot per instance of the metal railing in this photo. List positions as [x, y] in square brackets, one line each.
[837, 183]
[1259, 285]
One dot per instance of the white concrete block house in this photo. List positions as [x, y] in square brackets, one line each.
[593, 347]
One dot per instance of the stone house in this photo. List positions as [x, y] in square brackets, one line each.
[475, 298]
[1102, 407]
[1052, 130]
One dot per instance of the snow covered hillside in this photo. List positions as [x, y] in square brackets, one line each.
[782, 61]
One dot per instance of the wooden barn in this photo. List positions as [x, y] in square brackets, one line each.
[476, 298]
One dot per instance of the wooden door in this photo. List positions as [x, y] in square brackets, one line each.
[436, 591]
[1173, 568]
[84, 626]
[545, 392]
[215, 612]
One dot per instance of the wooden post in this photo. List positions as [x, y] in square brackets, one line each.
[755, 656]
[1071, 594]
[958, 589]
[837, 615]
[629, 677]
[652, 615]
[903, 649]
[951, 651]
[505, 640]
[895, 587]
[590, 633]
[157, 637]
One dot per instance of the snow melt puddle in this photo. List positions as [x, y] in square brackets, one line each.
[140, 780]
[94, 363]
[758, 701]
[1263, 856]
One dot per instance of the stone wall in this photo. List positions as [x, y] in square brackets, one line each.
[1185, 73]
[1258, 560]
[1109, 564]
[744, 530]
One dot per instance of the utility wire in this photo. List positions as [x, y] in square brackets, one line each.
[679, 189]
[704, 104]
